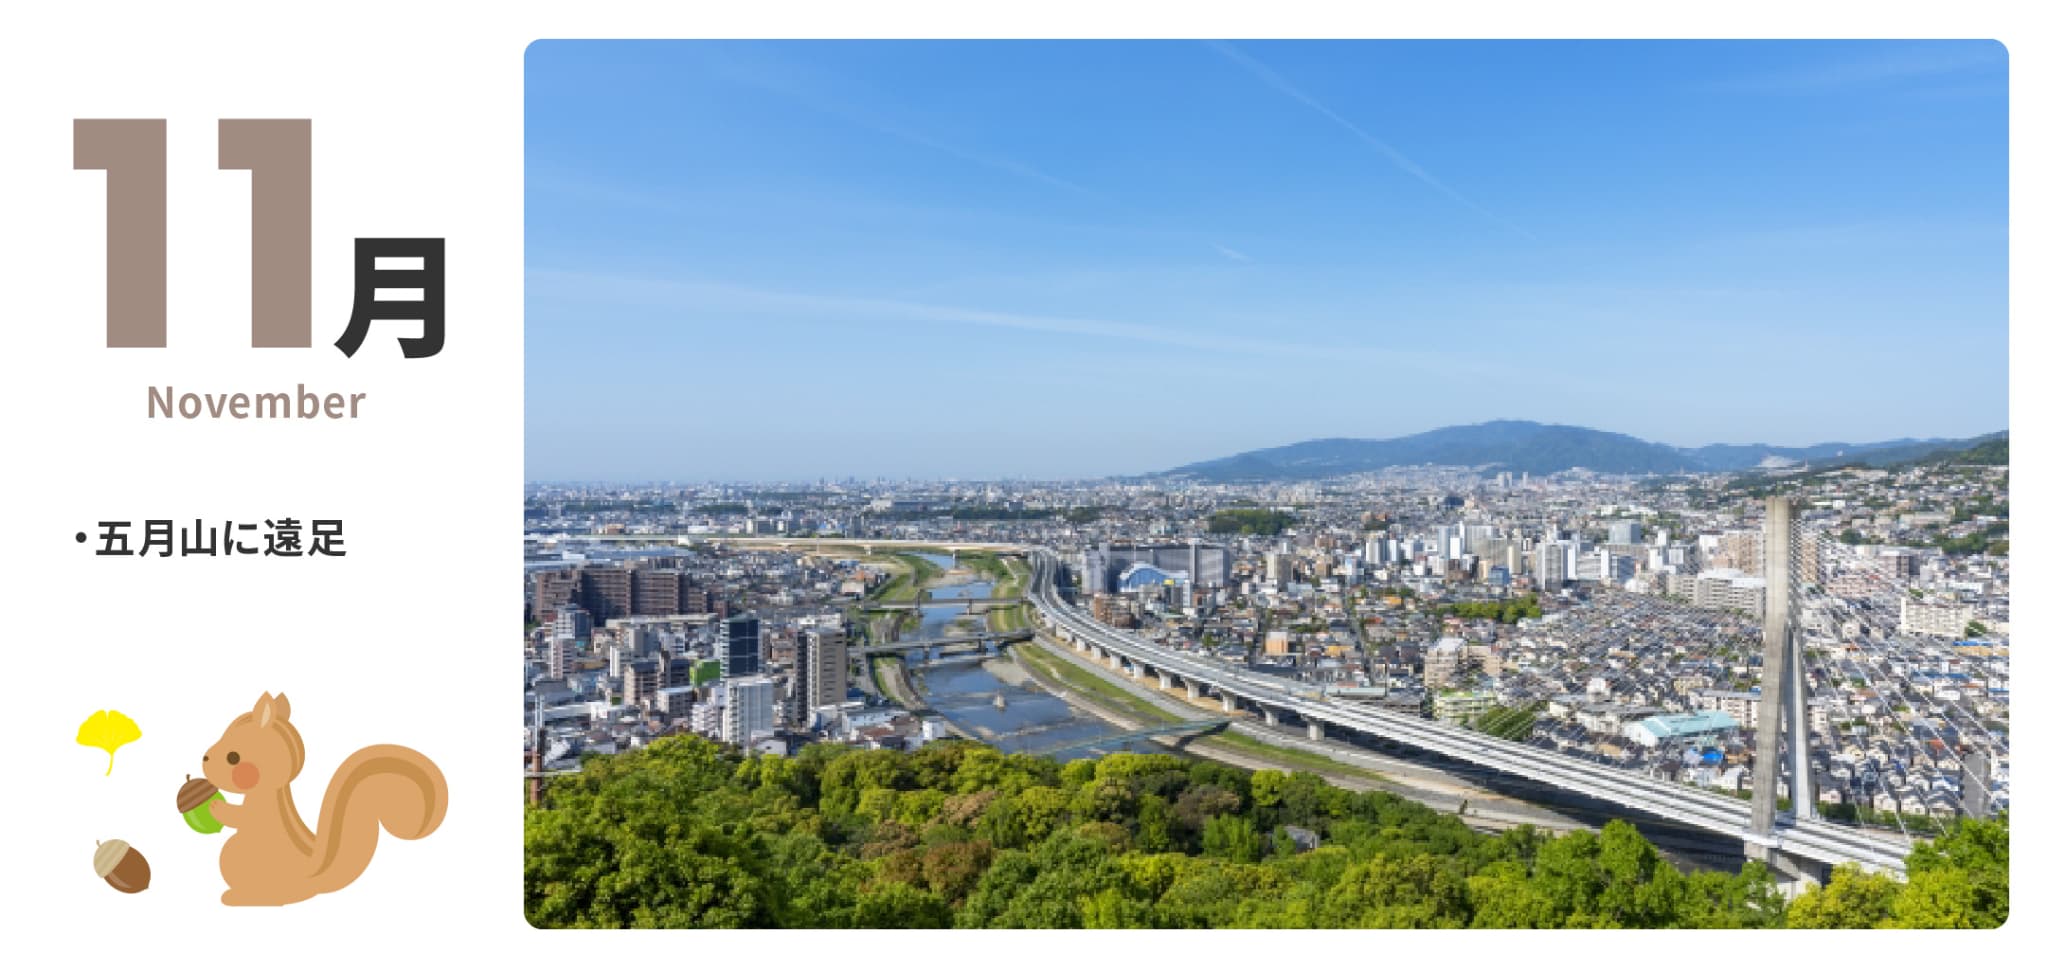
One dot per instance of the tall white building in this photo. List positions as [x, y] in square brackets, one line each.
[707, 719]
[749, 710]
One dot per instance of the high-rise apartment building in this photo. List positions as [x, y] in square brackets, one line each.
[660, 591]
[572, 622]
[561, 656]
[821, 670]
[1549, 562]
[1918, 617]
[749, 710]
[739, 646]
[1740, 550]
[1898, 563]
[1729, 588]
[707, 719]
[642, 677]
[607, 592]
[1441, 664]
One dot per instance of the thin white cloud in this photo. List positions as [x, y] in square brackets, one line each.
[1273, 80]
[998, 163]
[711, 297]
[805, 91]
[1230, 253]
[1885, 63]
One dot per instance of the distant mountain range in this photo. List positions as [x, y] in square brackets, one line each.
[1520, 445]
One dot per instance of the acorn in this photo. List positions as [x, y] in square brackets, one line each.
[121, 865]
[195, 801]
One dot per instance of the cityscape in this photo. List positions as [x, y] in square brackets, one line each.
[1583, 615]
[970, 617]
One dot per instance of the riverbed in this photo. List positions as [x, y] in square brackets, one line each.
[992, 699]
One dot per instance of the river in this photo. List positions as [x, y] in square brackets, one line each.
[1032, 719]
[1029, 718]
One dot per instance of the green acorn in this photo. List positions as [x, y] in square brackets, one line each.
[195, 801]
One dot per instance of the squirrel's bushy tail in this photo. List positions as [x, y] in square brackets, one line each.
[389, 786]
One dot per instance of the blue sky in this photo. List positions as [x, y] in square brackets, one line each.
[786, 261]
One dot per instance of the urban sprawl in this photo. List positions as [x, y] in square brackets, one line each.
[1604, 617]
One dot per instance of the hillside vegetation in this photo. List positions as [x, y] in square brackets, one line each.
[687, 833]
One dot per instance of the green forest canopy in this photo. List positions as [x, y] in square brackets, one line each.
[1507, 610]
[688, 833]
[1249, 521]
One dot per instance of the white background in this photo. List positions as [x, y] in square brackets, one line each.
[416, 116]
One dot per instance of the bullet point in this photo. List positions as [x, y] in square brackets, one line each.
[80, 536]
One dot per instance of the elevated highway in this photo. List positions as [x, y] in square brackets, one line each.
[1240, 690]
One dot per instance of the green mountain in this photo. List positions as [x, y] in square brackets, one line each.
[1525, 446]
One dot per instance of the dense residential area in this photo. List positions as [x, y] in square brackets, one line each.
[1597, 616]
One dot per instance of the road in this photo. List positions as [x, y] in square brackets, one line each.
[1811, 841]
[1404, 778]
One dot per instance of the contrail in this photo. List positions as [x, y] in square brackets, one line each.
[1401, 161]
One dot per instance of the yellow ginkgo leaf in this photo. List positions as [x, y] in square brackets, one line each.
[109, 730]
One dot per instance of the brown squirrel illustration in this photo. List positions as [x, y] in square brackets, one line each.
[272, 857]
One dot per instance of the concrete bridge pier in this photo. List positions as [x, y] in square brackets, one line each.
[1272, 718]
[1315, 731]
[1194, 690]
[1795, 875]
[1165, 681]
[1229, 702]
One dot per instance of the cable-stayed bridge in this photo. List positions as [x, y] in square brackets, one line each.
[1795, 841]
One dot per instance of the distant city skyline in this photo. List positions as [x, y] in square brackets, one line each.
[791, 261]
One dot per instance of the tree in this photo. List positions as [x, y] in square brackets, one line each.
[1231, 838]
[1961, 879]
[1155, 825]
[1851, 899]
[1746, 899]
[1503, 896]
[688, 833]
[895, 905]
[1422, 891]
[1109, 909]
[1266, 787]
[1077, 773]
